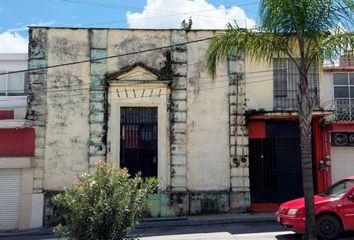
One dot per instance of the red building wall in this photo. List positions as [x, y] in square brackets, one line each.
[339, 126]
[6, 114]
[256, 129]
[17, 142]
[321, 152]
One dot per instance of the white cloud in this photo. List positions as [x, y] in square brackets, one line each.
[25, 28]
[170, 14]
[13, 43]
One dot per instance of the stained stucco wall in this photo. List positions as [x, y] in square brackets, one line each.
[207, 120]
[259, 84]
[208, 166]
[67, 128]
[203, 115]
[127, 41]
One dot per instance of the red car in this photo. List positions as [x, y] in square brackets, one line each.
[334, 211]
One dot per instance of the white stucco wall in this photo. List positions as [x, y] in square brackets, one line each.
[326, 91]
[67, 126]
[207, 120]
[13, 61]
[259, 84]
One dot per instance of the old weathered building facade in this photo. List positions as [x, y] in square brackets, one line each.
[140, 99]
[143, 99]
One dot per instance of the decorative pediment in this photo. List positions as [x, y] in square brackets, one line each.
[137, 73]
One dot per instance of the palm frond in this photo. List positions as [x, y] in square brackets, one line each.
[301, 28]
[258, 45]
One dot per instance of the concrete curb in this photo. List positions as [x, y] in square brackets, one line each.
[24, 233]
[206, 220]
[166, 222]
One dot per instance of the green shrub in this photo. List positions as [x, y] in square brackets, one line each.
[106, 205]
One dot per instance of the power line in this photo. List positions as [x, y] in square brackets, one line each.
[246, 79]
[136, 97]
[126, 90]
[109, 57]
[59, 89]
[119, 7]
[148, 96]
[136, 84]
[67, 86]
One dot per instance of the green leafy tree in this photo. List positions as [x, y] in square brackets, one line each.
[106, 205]
[307, 32]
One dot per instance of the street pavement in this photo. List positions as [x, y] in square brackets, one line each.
[231, 231]
[228, 231]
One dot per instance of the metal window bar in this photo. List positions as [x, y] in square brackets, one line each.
[344, 106]
[344, 109]
[285, 89]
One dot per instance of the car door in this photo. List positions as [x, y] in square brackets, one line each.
[346, 207]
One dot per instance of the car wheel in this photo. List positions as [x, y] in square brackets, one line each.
[328, 227]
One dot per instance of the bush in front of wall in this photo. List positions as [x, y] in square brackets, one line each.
[106, 205]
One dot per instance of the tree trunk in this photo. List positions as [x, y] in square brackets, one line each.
[305, 118]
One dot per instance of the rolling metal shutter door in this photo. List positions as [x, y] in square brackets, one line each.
[289, 172]
[342, 162]
[10, 189]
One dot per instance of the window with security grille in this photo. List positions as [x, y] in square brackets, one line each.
[343, 88]
[12, 84]
[285, 84]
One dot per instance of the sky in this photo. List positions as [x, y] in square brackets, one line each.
[16, 15]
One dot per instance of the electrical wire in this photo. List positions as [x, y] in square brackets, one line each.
[108, 57]
[120, 7]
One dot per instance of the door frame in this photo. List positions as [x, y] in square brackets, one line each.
[131, 97]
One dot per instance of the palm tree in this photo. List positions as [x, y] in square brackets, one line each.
[305, 31]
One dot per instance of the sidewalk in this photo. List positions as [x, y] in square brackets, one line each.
[147, 223]
[207, 220]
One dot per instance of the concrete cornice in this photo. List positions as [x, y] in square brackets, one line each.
[15, 123]
[13, 56]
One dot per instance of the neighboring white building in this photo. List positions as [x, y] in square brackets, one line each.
[339, 93]
[20, 207]
[13, 86]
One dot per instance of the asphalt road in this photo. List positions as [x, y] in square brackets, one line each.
[237, 231]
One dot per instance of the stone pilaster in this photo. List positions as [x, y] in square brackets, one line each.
[239, 198]
[98, 95]
[179, 113]
[36, 102]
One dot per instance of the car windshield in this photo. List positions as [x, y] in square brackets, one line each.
[338, 189]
